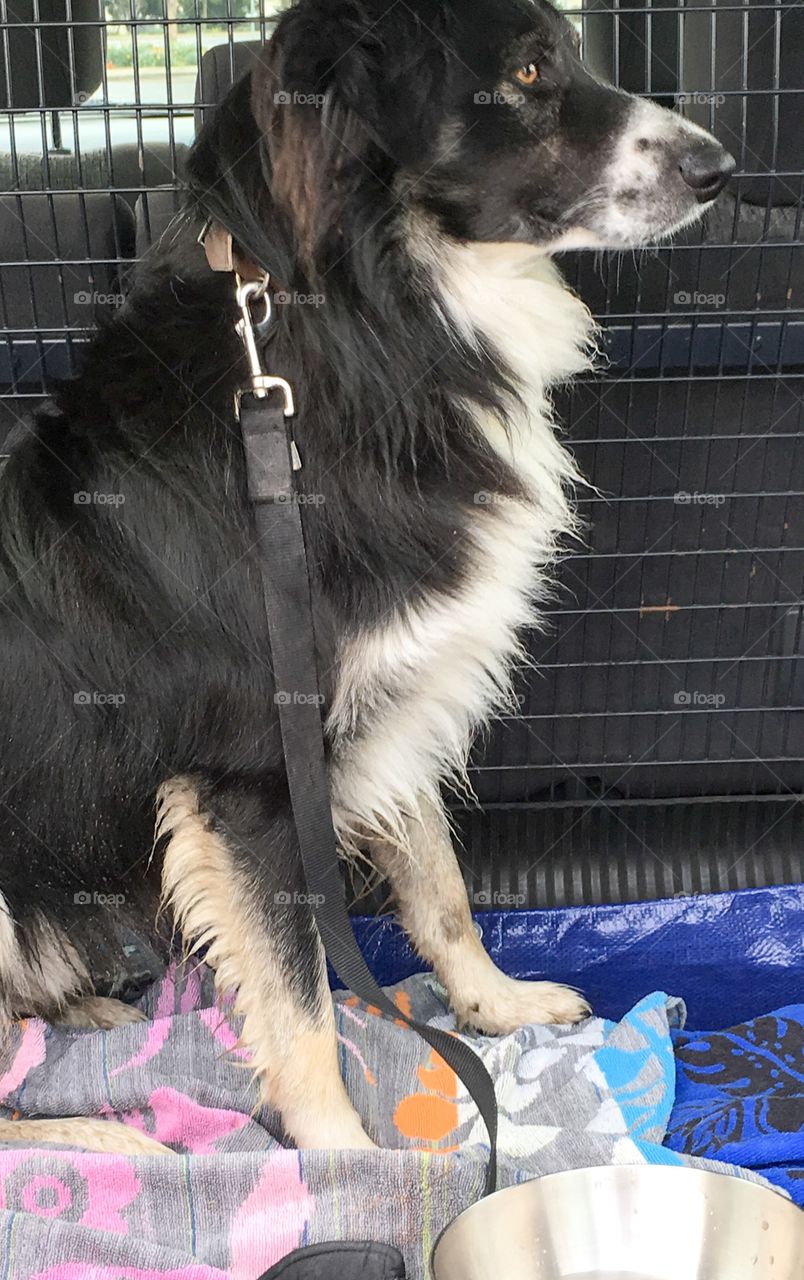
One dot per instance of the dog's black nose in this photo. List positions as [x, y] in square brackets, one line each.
[707, 169]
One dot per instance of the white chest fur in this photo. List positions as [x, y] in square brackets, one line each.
[419, 687]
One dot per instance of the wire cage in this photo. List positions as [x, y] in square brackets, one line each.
[659, 739]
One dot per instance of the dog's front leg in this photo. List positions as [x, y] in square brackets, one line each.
[232, 877]
[434, 909]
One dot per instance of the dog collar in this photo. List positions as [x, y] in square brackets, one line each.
[252, 290]
[221, 255]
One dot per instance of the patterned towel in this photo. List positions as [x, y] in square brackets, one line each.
[234, 1201]
[740, 1097]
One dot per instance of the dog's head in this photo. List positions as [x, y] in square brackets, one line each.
[481, 114]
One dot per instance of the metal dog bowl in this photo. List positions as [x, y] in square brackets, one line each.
[647, 1222]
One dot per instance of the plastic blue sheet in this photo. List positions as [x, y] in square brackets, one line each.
[731, 956]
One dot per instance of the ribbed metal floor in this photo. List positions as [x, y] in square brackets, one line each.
[579, 853]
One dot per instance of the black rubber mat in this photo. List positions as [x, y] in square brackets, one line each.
[613, 851]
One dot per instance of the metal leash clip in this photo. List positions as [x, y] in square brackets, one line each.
[249, 293]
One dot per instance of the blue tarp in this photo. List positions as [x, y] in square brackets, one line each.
[731, 956]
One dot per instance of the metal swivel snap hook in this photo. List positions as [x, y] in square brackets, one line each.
[250, 294]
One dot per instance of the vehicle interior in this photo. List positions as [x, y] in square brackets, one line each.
[671, 676]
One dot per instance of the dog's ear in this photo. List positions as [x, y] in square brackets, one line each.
[340, 102]
[312, 140]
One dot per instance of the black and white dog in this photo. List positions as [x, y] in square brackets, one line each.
[406, 169]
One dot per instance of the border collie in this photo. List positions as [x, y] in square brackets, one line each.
[406, 169]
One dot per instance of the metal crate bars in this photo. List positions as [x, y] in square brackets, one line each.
[670, 681]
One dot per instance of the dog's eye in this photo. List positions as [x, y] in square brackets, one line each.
[527, 75]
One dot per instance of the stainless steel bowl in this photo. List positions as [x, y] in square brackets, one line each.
[646, 1222]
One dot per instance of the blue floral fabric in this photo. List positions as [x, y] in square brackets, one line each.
[740, 1097]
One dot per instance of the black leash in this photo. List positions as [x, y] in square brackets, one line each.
[271, 458]
[283, 560]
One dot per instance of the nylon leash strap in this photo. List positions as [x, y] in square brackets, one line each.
[266, 412]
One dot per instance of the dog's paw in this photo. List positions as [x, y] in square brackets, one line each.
[101, 1013]
[508, 1004]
